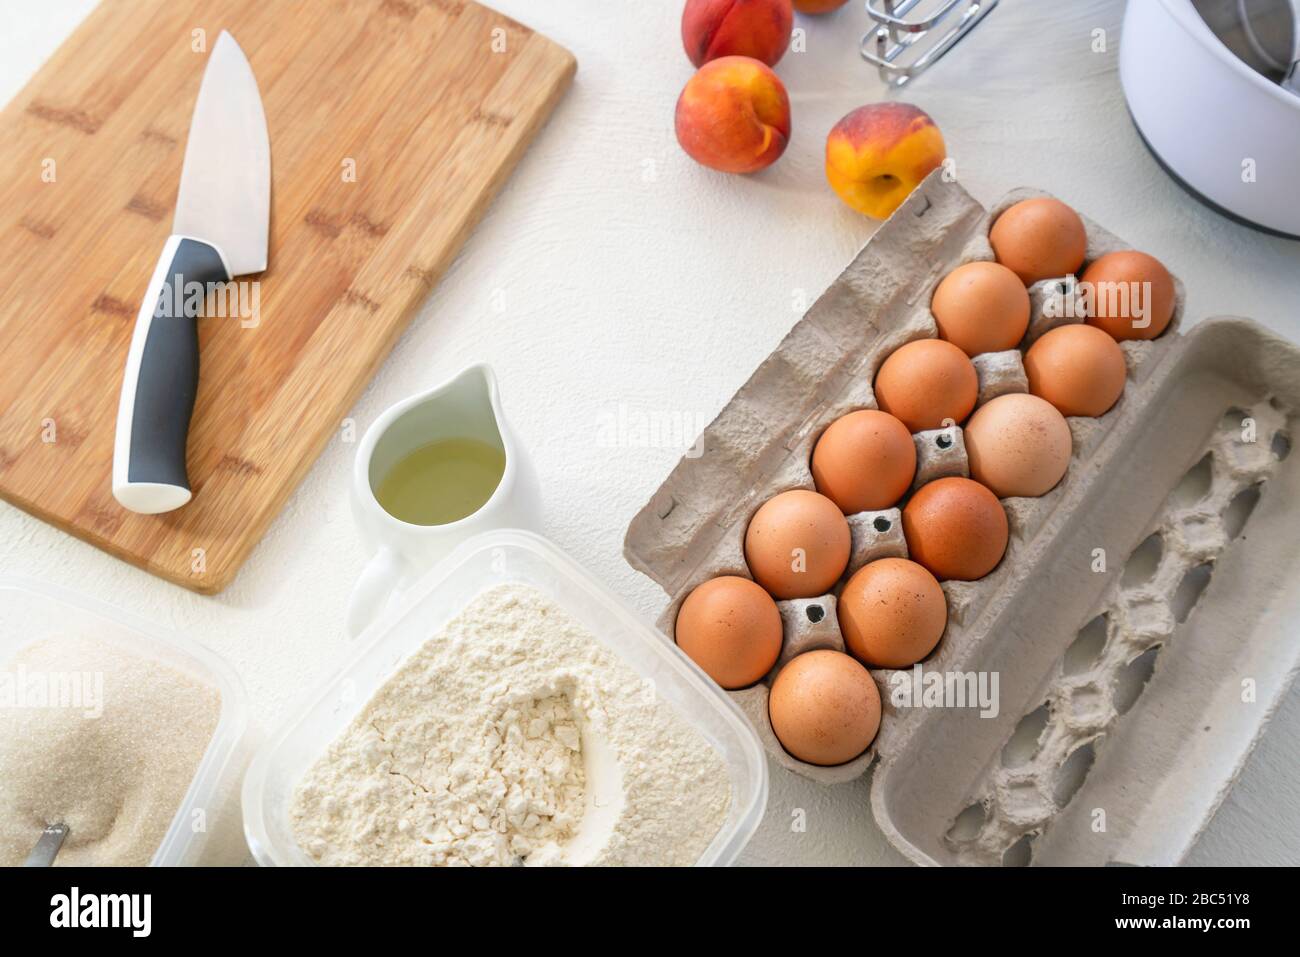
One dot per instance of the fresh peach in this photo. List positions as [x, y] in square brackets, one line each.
[878, 154]
[818, 6]
[718, 28]
[734, 115]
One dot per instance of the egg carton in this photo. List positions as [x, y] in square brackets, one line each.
[1070, 769]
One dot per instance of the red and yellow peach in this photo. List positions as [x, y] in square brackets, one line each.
[876, 156]
[753, 28]
[734, 115]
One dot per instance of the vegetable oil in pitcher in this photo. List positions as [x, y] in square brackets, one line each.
[442, 482]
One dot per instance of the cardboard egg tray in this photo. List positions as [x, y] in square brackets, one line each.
[1172, 529]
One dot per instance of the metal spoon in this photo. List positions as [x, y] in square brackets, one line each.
[47, 848]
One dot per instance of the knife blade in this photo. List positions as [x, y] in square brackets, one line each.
[220, 231]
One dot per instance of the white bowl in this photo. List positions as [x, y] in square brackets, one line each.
[1226, 133]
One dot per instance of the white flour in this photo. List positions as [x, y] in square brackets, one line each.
[513, 737]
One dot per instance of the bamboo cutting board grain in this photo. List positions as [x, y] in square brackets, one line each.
[392, 124]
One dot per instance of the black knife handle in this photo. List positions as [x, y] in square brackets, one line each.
[162, 379]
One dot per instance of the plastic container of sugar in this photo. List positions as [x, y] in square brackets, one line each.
[205, 829]
[498, 558]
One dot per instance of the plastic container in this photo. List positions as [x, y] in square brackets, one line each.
[495, 558]
[31, 611]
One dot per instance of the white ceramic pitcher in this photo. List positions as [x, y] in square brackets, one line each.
[466, 406]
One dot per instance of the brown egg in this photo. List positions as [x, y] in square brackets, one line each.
[981, 307]
[1039, 239]
[892, 613]
[731, 628]
[864, 461]
[1077, 368]
[825, 709]
[1132, 295]
[1018, 445]
[956, 528]
[797, 544]
[927, 382]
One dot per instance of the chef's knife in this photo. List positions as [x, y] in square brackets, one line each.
[220, 231]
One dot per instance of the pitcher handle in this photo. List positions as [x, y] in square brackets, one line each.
[373, 589]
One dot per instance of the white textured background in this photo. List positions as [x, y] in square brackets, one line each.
[614, 273]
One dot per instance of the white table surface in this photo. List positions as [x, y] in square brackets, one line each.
[614, 274]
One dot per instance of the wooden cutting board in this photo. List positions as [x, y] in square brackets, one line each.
[392, 124]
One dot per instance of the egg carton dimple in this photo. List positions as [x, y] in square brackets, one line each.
[1029, 606]
[1000, 373]
[940, 453]
[875, 535]
[807, 624]
[1052, 303]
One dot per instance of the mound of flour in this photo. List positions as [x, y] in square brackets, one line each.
[513, 737]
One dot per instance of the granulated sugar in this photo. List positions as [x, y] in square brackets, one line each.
[101, 739]
[513, 737]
